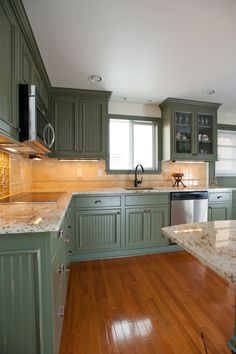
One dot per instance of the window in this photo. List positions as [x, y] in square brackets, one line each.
[226, 164]
[133, 141]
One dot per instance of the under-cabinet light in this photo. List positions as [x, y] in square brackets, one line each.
[10, 149]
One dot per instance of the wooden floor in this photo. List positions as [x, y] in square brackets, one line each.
[144, 305]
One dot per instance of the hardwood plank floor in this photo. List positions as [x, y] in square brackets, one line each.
[154, 304]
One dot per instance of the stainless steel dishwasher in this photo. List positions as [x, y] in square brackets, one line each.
[188, 207]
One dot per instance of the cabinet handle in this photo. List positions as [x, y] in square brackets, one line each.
[69, 253]
[149, 211]
[61, 311]
[60, 233]
[219, 196]
[67, 215]
[98, 202]
[60, 268]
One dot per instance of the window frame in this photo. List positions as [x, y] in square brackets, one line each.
[228, 127]
[157, 154]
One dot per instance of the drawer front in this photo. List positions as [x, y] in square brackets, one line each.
[157, 199]
[97, 202]
[219, 197]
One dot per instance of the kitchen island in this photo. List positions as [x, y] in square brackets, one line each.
[214, 244]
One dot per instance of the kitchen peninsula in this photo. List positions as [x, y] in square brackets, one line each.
[212, 243]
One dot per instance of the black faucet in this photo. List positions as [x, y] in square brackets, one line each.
[136, 180]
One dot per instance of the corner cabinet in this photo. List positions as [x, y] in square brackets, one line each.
[219, 205]
[34, 270]
[80, 121]
[189, 130]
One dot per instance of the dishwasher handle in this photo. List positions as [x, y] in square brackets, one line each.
[189, 195]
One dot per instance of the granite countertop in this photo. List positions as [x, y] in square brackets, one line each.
[30, 217]
[213, 243]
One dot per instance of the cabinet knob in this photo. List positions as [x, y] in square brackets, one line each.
[60, 268]
[60, 233]
[69, 226]
[219, 196]
[69, 253]
[98, 202]
[61, 311]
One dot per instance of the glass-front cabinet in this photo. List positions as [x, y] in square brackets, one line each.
[189, 130]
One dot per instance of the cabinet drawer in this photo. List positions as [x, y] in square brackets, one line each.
[219, 197]
[147, 199]
[97, 201]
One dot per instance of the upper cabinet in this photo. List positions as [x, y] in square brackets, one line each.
[80, 121]
[189, 130]
[20, 62]
[9, 44]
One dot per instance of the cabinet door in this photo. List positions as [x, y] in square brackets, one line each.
[219, 211]
[159, 217]
[65, 114]
[26, 70]
[183, 134]
[8, 75]
[97, 230]
[19, 302]
[206, 135]
[92, 140]
[137, 227]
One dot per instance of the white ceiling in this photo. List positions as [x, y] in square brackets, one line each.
[144, 50]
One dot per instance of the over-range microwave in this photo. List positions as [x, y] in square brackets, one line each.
[36, 131]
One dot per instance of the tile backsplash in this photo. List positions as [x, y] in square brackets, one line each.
[21, 174]
[4, 174]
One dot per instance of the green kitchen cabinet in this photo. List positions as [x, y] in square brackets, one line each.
[33, 276]
[29, 73]
[143, 223]
[80, 120]
[219, 205]
[97, 230]
[189, 130]
[9, 51]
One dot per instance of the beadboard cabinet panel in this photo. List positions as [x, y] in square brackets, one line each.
[97, 229]
[65, 125]
[9, 123]
[19, 294]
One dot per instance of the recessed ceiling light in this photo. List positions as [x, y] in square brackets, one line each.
[95, 78]
[209, 92]
[149, 101]
[124, 98]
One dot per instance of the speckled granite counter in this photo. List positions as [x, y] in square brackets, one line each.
[20, 218]
[213, 243]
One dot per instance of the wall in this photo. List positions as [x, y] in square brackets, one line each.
[20, 173]
[74, 175]
[134, 109]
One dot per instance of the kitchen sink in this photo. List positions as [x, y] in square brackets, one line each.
[139, 188]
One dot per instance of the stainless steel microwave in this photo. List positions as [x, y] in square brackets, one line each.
[36, 131]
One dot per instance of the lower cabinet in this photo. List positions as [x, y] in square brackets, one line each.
[33, 277]
[120, 225]
[97, 230]
[220, 206]
[143, 226]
